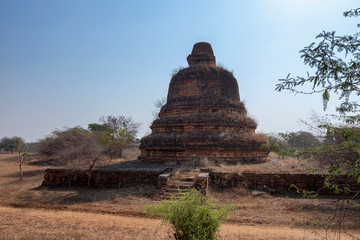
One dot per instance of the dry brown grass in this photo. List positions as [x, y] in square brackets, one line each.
[27, 193]
[268, 210]
[29, 212]
[276, 164]
[50, 224]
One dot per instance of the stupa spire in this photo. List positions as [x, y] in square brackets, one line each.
[202, 53]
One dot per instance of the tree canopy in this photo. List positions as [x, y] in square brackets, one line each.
[115, 133]
[84, 147]
[10, 144]
[336, 61]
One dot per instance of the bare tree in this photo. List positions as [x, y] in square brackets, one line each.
[158, 105]
[76, 147]
[20, 146]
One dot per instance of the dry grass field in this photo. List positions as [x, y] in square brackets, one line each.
[277, 164]
[30, 212]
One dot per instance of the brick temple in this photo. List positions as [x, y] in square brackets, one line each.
[203, 118]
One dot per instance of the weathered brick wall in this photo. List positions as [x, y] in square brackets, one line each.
[275, 182]
[218, 181]
[225, 180]
[99, 178]
[282, 182]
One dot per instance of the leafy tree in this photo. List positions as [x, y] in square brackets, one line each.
[336, 60]
[341, 148]
[193, 216]
[300, 140]
[96, 127]
[279, 146]
[115, 133]
[8, 144]
[293, 144]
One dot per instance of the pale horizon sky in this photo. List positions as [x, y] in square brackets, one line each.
[67, 63]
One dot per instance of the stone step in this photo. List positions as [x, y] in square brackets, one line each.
[160, 192]
[175, 190]
[184, 183]
[184, 179]
[180, 186]
[176, 186]
[165, 197]
[157, 198]
[171, 196]
[168, 194]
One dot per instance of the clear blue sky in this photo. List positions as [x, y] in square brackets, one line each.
[67, 63]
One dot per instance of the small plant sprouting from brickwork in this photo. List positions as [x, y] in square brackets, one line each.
[193, 216]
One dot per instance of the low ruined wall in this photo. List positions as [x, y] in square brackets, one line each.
[271, 182]
[225, 180]
[99, 178]
[282, 182]
[218, 181]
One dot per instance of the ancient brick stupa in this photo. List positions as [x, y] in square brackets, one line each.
[203, 118]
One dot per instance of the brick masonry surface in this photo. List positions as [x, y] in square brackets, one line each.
[276, 183]
[218, 181]
[99, 178]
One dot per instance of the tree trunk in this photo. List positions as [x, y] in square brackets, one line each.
[20, 167]
[21, 172]
[89, 173]
[91, 166]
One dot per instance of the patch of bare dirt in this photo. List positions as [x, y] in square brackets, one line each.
[52, 224]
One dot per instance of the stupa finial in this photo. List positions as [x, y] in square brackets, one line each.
[202, 53]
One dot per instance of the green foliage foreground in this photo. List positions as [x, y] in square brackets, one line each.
[193, 216]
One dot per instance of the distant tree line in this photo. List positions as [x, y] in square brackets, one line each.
[85, 147]
[79, 147]
[9, 145]
[337, 147]
[293, 143]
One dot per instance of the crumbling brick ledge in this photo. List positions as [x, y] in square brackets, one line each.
[99, 178]
[277, 182]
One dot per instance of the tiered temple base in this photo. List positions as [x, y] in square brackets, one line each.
[203, 118]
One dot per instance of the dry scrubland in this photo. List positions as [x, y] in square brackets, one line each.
[30, 212]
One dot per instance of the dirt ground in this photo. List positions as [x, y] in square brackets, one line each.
[18, 223]
[30, 212]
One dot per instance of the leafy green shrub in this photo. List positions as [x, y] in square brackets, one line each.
[193, 216]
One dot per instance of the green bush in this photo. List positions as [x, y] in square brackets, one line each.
[193, 216]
